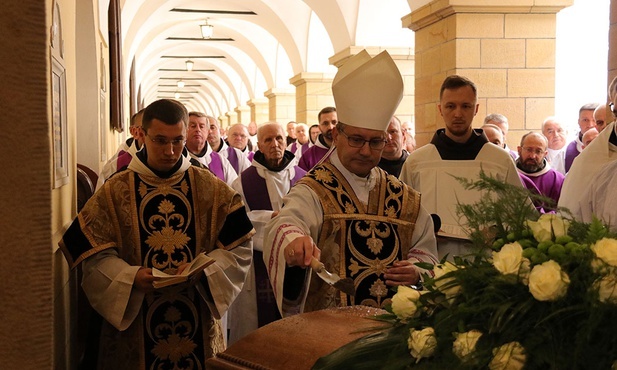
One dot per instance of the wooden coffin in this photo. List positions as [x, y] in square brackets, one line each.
[297, 342]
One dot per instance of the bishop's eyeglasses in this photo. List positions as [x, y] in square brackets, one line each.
[358, 142]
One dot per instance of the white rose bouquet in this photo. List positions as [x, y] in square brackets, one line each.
[540, 292]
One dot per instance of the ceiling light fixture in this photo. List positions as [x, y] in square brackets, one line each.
[180, 84]
[206, 30]
[177, 95]
[189, 65]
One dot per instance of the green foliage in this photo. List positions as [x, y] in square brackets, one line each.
[573, 331]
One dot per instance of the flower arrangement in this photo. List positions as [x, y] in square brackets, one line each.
[539, 292]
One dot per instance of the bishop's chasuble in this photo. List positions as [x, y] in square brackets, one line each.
[361, 226]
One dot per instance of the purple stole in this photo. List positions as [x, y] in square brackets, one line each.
[311, 157]
[256, 191]
[294, 147]
[257, 198]
[571, 153]
[304, 147]
[250, 156]
[124, 158]
[216, 166]
[232, 156]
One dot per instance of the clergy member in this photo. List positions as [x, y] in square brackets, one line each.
[327, 121]
[127, 150]
[456, 150]
[200, 151]
[262, 186]
[532, 163]
[156, 214]
[239, 161]
[361, 222]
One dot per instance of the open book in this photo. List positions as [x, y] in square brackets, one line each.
[197, 265]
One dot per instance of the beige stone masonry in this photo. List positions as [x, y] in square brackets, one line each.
[506, 47]
[281, 105]
[231, 119]
[313, 92]
[259, 110]
[243, 113]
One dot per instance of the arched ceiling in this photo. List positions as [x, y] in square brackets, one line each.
[256, 45]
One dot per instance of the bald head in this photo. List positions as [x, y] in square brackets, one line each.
[493, 134]
[271, 142]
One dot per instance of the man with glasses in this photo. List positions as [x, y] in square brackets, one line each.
[239, 161]
[601, 151]
[362, 223]
[456, 150]
[156, 214]
[533, 164]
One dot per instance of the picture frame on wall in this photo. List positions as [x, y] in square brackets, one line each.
[59, 125]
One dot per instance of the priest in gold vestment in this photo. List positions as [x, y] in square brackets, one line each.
[160, 213]
[362, 223]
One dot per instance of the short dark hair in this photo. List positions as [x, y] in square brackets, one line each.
[134, 117]
[588, 106]
[168, 111]
[455, 82]
[325, 111]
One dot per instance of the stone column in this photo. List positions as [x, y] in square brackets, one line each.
[612, 43]
[405, 61]
[282, 105]
[507, 49]
[259, 110]
[313, 92]
[231, 119]
[243, 112]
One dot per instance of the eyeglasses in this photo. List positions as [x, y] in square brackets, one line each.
[358, 142]
[612, 106]
[537, 152]
[164, 142]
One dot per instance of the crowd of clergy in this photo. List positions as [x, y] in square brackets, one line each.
[352, 191]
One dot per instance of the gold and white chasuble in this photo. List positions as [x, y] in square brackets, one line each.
[139, 219]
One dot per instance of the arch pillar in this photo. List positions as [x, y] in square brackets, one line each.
[313, 92]
[281, 104]
[259, 110]
[507, 50]
[243, 112]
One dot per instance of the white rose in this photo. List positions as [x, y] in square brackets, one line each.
[607, 288]
[405, 302]
[447, 286]
[605, 250]
[422, 343]
[510, 356]
[509, 261]
[547, 282]
[465, 344]
[548, 225]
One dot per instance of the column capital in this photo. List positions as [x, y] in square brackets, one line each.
[278, 92]
[438, 9]
[396, 53]
[304, 77]
[256, 101]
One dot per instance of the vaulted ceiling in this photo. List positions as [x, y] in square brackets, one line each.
[256, 45]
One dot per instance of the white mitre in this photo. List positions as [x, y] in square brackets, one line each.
[367, 91]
